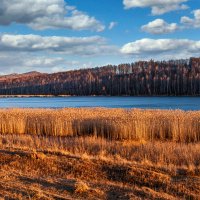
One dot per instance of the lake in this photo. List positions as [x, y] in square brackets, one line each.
[184, 103]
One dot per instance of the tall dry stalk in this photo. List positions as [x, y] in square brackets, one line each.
[115, 124]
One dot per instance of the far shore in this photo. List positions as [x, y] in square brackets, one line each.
[22, 96]
[27, 96]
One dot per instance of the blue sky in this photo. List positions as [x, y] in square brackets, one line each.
[58, 35]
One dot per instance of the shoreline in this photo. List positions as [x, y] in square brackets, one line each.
[49, 96]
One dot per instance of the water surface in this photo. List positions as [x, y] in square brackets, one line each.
[184, 103]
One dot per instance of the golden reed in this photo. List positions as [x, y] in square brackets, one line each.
[115, 124]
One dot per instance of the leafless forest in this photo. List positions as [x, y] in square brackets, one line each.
[170, 78]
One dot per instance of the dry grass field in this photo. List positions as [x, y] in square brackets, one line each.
[99, 154]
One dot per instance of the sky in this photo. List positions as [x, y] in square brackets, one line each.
[61, 35]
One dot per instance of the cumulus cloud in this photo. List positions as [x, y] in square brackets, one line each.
[192, 22]
[162, 48]
[159, 26]
[68, 45]
[112, 25]
[158, 7]
[46, 14]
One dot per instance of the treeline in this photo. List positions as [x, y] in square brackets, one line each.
[174, 77]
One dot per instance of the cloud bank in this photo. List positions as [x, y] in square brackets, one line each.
[84, 46]
[46, 14]
[162, 48]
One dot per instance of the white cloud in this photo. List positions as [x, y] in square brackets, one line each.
[46, 14]
[24, 62]
[23, 53]
[162, 48]
[68, 45]
[158, 7]
[159, 26]
[192, 22]
[112, 25]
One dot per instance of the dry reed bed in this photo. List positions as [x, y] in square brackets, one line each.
[133, 124]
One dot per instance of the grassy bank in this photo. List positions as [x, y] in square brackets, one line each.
[114, 124]
[99, 154]
[51, 167]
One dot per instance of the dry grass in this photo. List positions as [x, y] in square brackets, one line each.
[81, 187]
[99, 154]
[46, 167]
[117, 124]
[166, 154]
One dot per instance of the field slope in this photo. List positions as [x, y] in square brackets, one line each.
[99, 154]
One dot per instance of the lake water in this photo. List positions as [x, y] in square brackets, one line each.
[184, 103]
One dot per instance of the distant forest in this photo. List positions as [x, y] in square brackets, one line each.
[170, 78]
